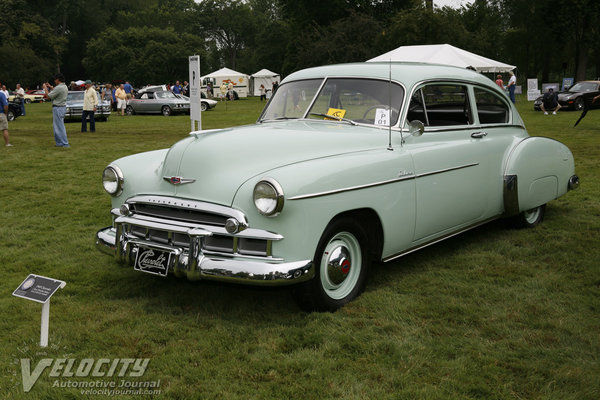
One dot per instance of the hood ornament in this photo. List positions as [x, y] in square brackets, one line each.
[178, 180]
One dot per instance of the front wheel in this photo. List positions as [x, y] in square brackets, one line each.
[166, 111]
[10, 116]
[203, 106]
[579, 104]
[529, 218]
[129, 110]
[341, 263]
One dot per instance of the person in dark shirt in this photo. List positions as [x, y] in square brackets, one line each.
[550, 102]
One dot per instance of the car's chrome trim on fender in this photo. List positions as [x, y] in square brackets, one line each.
[437, 240]
[381, 183]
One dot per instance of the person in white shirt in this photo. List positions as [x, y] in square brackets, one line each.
[512, 85]
[21, 95]
[5, 91]
[90, 103]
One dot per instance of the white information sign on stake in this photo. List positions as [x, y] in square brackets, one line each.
[39, 289]
[382, 117]
[195, 96]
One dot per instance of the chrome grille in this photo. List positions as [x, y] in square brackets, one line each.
[179, 214]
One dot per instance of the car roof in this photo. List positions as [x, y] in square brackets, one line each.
[409, 73]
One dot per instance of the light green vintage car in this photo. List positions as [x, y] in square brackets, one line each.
[348, 164]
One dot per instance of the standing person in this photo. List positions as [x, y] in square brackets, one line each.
[128, 89]
[263, 92]
[4, 119]
[108, 94]
[177, 88]
[5, 92]
[58, 95]
[512, 84]
[275, 84]
[90, 103]
[230, 90]
[500, 82]
[209, 90]
[21, 96]
[223, 90]
[121, 96]
[186, 88]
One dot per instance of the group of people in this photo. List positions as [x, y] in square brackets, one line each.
[511, 86]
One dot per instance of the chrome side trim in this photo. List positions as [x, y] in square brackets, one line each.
[434, 241]
[190, 204]
[381, 183]
[349, 189]
[511, 195]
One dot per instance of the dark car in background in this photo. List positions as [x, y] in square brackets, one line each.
[576, 96]
[14, 110]
[75, 107]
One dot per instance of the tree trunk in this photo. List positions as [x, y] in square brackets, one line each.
[581, 58]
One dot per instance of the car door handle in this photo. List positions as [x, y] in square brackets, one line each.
[478, 135]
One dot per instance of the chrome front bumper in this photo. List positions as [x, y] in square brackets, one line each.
[183, 262]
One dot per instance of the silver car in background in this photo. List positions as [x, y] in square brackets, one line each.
[157, 102]
[75, 107]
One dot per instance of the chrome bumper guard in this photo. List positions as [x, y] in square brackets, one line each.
[193, 264]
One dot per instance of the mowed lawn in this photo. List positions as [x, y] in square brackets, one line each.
[495, 313]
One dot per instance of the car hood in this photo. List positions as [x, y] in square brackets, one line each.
[220, 161]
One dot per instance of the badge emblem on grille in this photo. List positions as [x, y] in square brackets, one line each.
[178, 180]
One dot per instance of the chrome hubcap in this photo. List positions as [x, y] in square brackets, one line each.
[340, 265]
[532, 215]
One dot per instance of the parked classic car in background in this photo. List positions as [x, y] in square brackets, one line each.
[576, 96]
[347, 164]
[29, 98]
[157, 102]
[75, 107]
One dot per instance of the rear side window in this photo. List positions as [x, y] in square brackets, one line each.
[441, 105]
[491, 109]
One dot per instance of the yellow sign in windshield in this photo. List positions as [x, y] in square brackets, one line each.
[336, 112]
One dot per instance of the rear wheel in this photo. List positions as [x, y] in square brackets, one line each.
[341, 263]
[529, 218]
[27, 101]
[10, 116]
[166, 111]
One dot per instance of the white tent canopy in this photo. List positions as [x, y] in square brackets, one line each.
[444, 54]
[264, 77]
[238, 79]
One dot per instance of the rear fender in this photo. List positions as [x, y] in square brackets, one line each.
[538, 170]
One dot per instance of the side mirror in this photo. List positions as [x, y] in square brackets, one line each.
[416, 127]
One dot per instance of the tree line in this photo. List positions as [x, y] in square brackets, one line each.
[149, 41]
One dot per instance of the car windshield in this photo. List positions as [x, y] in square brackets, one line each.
[164, 95]
[353, 100]
[584, 87]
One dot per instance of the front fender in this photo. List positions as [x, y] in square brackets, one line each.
[537, 171]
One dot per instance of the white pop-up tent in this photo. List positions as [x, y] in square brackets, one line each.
[263, 77]
[444, 54]
[240, 81]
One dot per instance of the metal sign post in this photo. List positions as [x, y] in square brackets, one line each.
[39, 289]
[195, 94]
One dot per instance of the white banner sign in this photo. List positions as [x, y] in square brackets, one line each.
[195, 96]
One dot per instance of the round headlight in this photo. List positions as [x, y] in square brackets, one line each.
[268, 197]
[112, 180]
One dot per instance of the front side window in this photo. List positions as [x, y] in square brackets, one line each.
[441, 105]
[491, 109]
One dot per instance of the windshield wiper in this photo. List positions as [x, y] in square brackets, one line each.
[276, 119]
[334, 117]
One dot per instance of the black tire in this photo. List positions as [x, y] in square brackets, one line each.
[579, 104]
[529, 218]
[129, 110]
[341, 263]
[27, 101]
[166, 111]
[10, 116]
[203, 106]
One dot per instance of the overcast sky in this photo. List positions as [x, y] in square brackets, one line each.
[452, 3]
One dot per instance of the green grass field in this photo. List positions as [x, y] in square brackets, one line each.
[495, 313]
